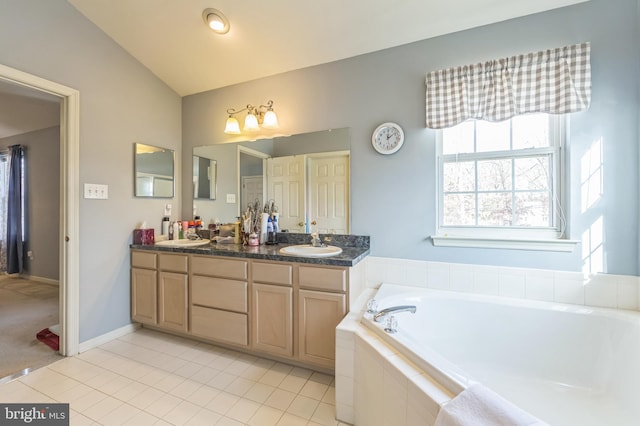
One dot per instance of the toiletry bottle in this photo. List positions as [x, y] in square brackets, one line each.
[174, 231]
[165, 225]
[180, 230]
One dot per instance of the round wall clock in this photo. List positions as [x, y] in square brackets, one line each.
[387, 138]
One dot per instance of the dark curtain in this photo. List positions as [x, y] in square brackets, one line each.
[14, 211]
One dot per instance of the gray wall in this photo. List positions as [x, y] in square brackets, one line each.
[42, 199]
[121, 102]
[393, 197]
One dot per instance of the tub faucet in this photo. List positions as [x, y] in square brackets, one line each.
[393, 310]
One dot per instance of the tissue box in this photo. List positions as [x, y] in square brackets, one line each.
[143, 237]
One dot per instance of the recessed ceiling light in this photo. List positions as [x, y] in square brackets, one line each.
[216, 20]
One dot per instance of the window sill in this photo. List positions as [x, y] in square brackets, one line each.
[561, 245]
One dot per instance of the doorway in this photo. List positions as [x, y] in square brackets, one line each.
[69, 200]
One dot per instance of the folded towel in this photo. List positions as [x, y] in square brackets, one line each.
[480, 406]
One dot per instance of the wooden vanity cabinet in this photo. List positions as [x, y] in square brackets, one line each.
[144, 287]
[272, 308]
[288, 310]
[173, 288]
[322, 303]
[219, 302]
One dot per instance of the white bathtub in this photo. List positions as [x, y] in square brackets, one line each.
[565, 364]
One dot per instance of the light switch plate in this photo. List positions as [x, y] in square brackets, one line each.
[96, 191]
[231, 198]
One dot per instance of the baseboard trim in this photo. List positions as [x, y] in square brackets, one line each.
[38, 279]
[107, 337]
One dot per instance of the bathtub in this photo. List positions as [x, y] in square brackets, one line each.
[565, 364]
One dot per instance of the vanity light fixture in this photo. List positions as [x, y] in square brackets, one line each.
[257, 116]
[216, 20]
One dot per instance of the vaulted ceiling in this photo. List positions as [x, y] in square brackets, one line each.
[270, 37]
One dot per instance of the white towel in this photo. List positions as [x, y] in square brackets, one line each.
[480, 406]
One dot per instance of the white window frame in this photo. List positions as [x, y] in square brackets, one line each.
[553, 238]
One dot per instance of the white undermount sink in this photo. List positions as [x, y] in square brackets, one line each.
[307, 250]
[183, 243]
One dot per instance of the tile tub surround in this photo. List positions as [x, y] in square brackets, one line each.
[354, 249]
[598, 290]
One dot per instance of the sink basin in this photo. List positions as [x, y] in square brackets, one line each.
[183, 243]
[307, 250]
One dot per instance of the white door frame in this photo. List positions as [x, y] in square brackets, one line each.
[69, 201]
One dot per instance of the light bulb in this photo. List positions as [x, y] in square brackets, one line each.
[232, 127]
[270, 120]
[251, 123]
[215, 23]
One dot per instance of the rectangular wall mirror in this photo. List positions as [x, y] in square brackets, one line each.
[154, 171]
[204, 178]
[305, 175]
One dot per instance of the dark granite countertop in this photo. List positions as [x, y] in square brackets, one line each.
[354, 249]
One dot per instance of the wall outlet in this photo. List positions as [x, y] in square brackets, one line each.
[30, 254]
[95, 191]
[231, 198]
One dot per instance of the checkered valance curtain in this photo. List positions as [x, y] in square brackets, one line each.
[553, 81]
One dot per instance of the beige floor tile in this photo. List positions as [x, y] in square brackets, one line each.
[314, 390]
[280, 399]
[330, 395]
[259, 392]
[292, 383]
[141, 419]
[303, 406]
[77, 419]
[226, 421]
[185, 389]
[273, 378]
[243, 410]
[204, 417]
[254, 372]
[130, 391]
[121, 415]
[102, 408]
[205, 375]
[325, 379]
[161, 406]
[222, 380]
[87, 400]
[288, 419]
[145, 398]
[239, 386]
[222, 402]
[305, 373]
[325, 415]
[266, 416]
[182, 413]
[204, 395]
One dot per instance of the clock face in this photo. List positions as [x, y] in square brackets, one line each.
[387, 138]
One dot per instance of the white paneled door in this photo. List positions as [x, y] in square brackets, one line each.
[286, 185]
[329, 194]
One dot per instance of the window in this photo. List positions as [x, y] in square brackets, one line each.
[502, 180]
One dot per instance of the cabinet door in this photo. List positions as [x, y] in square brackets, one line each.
[143, 296]
[318, 315]
[272, 319]
[172, 301]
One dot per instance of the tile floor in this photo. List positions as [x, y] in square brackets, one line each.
[151, 378]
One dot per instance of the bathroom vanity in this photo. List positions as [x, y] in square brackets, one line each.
[250, 298]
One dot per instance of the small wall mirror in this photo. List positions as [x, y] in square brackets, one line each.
[204, 178]
[154, 171]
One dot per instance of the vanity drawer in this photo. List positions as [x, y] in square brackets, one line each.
[323, 278]
[143, 259]
[214, 266]
[173, 262]
[219, 293]
[219, 325]
[272, 273]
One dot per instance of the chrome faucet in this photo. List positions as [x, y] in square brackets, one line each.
[315, 240]
[393, 310]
